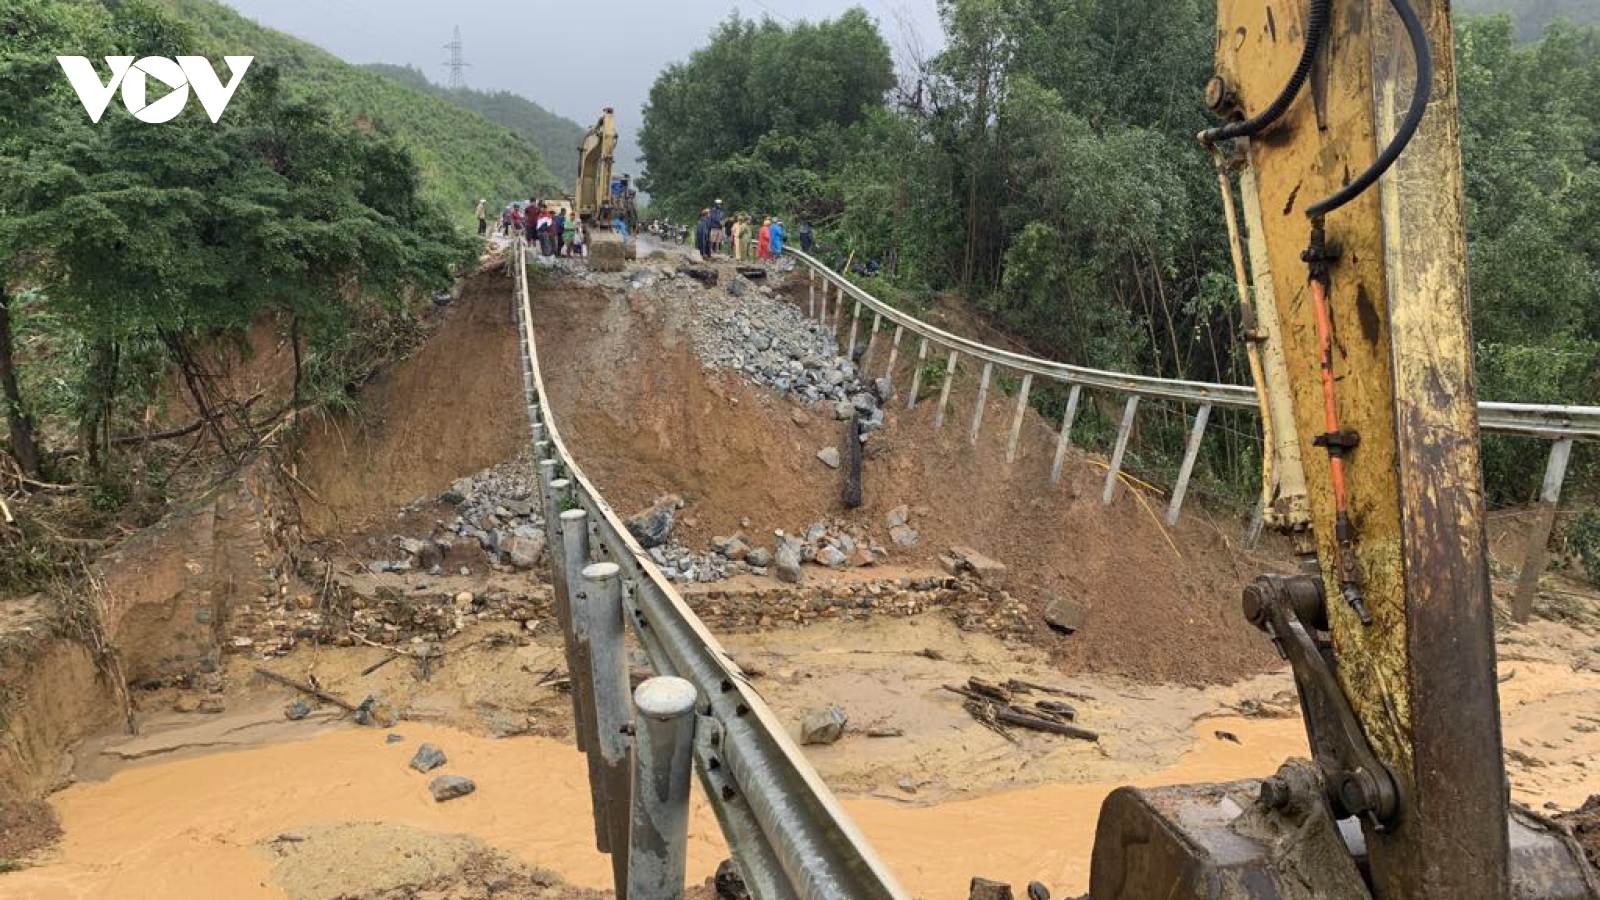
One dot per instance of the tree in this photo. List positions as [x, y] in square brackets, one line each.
[193, 231]
[755, 116]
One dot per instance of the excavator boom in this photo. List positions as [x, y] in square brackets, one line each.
[1341, 117]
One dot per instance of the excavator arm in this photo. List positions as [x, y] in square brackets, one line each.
[1339, 119]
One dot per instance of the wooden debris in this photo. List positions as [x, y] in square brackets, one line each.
[990, 704]
[391, 657]
[987, 716]
[1011, 715]
[1057, 708]
[322, 695]
[988, 689]
[1228, 736]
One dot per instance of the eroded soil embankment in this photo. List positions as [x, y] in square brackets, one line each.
[452, 408]
[644, 418]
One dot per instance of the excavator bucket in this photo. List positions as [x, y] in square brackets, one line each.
[1255, 840]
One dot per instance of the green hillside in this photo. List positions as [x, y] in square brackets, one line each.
[462, 155]
[556, 136]
[1531, 16]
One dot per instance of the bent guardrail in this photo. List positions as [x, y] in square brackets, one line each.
[1560, 425]
[787, 831]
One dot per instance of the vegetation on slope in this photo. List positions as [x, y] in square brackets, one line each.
[463, 156]
[556, 137]
[130, 252]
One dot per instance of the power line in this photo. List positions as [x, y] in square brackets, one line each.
[457, 65]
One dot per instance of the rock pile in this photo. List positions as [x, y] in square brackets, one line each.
[773, 344]
[496, 510]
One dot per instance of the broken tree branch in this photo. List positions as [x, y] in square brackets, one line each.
[303, 688]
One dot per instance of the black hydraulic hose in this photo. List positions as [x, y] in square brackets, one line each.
[1408, 128]
[1316, 27]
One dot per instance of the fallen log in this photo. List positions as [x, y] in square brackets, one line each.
[1010, 715]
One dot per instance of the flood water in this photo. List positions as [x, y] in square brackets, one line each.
[190, 829]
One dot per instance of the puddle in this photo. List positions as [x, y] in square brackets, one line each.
[188, 829]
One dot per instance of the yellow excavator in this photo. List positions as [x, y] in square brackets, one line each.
[603, 203]
[1338, 129]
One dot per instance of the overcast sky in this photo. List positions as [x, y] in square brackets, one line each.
[572, 58]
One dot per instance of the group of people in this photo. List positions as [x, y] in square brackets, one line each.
[745, 239]
[558, 233]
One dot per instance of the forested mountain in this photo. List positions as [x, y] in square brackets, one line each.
[556, 137]
[1532, 16]
[463, 156]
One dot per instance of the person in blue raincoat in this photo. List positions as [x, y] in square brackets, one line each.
[777, 238]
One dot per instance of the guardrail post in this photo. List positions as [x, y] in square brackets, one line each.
[916, 376]
[811, 291]
[575, 555]
[1196, 434]
[944, 392]
[855, 324]
[597, 608]
[1016, 421]
[664, 726]
[983, 400]
[574, 531]
[1122, 447]
[894, 354]
[1555, 473]
[1065, 440]
[872, 339]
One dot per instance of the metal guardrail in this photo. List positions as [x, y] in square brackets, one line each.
[787, 831]
[1560, 425]
[1531, 420]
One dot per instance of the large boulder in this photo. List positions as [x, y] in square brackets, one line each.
[524, 552]
[823, 726]
[427, 758]
[450, 787]
[653, 527]
[787, 560]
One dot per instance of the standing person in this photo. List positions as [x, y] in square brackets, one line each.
[580, 240]
[716, 226]
[741, 232]
[702, 235]
[541, 230]
[764, 239]
[776, 240]
[530, 221]
[558, 232]
[505, 221]
[482, 212]
[569, 235]
[808, 241]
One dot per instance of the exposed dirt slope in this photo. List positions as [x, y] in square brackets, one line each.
[644, 419]
[454, 407]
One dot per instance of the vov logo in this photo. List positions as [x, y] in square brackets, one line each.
[133, 77]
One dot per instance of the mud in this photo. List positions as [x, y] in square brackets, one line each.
[197, 828]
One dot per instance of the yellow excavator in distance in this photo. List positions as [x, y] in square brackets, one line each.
[601, 201]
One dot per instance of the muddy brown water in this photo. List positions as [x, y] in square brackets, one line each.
[194, 828]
